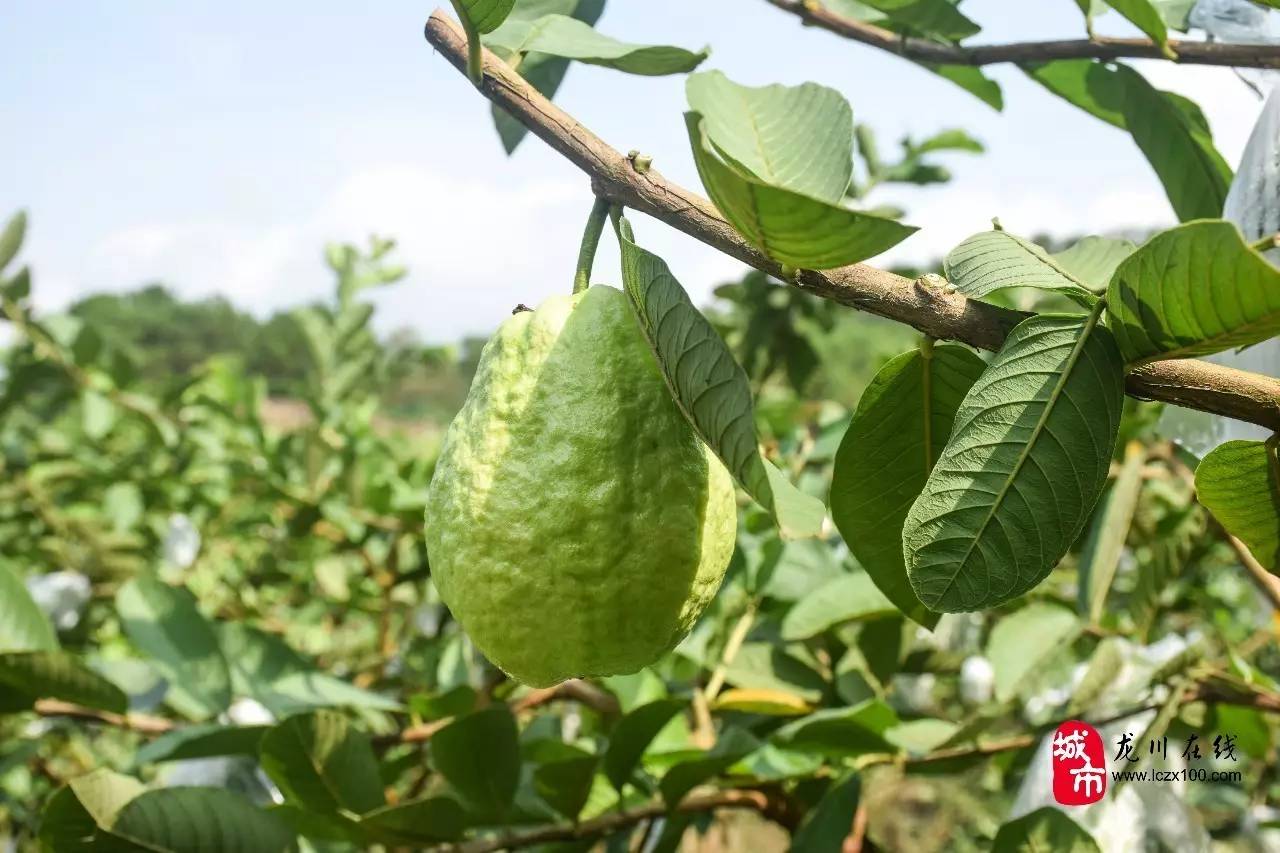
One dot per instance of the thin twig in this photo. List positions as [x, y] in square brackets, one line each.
[922, 50]
[950, 316]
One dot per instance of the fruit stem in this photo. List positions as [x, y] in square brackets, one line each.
[590, 241]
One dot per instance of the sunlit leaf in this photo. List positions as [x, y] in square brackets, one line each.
[632, 735]
[321, 762]
[847, 598]
[23, 625]
[1042, 830]
[993, 261]
[1102, 551]
[1093, 260]
[570, 38]
[1022, 641]
[1239, 482]
[58, 675]
[770, 702]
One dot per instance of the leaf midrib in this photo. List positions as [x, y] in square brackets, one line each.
[1039, 429]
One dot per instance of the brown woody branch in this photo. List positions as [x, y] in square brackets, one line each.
[949, 316]
[923, 50]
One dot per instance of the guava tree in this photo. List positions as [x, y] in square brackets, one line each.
[987, 535]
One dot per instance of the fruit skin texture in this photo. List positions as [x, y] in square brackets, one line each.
[576, 525]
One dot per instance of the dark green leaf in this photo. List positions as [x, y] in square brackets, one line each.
[59, 675]
[426, 821]
[632, 736]
[1193, 290]
[709, 386]
[485, 15]
[896, 435]
[1143, 15]
[938, 18]
[1041, 831]
[204, 740]
[972, 80]
[196, 820]
[827, 826]
[841, 732]
[74, 816]
[569, 38]
[479, 755]
[993, 261]
[566, 784]
[321, 762]
[23, 625]
[1239, 482]
[1092, 86]
[732, 746]
[1026, 462]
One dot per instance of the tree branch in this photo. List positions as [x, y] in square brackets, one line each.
[922, 50]
[1194, 384]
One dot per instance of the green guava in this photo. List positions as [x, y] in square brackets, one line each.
[576, 525]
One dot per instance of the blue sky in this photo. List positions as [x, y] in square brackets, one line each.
[216, 146]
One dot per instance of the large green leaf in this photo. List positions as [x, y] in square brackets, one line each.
[566, 784]
[426, 821]
[841, 732]
[1092, 86]
[570, 38]
[163, 622]
[479, 755]
[932, 17]
[828, 824]
[1027, 459]
[58, 675]
[23, 625]
[795, 137]
[1093, 260]
[1193, 290]
[766, 666]
[1020, 643]
[632, 735]
[1177, 143]
[321, 762]
[992, 261]
[1240, 484]
[1145, 16]
[732, 746]
[203, 740]
[709, 386]
[1102, 551]
[484, 15]
[77, 813]
[792, 228]
[972, 80]
[545, 73]
[1041, 831]
[200, 819]
[898, 432]
[847, 598]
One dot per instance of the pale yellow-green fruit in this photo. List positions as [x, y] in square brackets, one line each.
[576, 525]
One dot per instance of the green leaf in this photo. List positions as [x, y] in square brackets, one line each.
[992, 261]
[1193, 290]
[1093, 260]
[75, 814]
[1102, 552]
[1176, 142]
[479, 755]
[1239, 483]
[920, 737]
[846, 599]
[896, 435]
[1022, 641]
[841, 732]
[11, 237]
[428, 821]
[972, 80]
[732, 746]
[172, 819]
[321, 762]
[1043, 830]
[566, 785]
[569, 38]
[485, 15]
[632, 735]
[709, 386]
[938, 18]
[23, 625]
[1092, 86]
[59, 675]
[545, 73]
[792, 228]
[202, 740]
[761, 700]
[1027, 460]
[764, 666]
[756, 131]
[828, 824]
[1143, 15]
[163, 622]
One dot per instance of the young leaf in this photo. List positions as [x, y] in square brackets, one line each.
[569, 38]
[795, 137]
[709, 386]
[841, 732]
[997, 260]
[162, 622]
[59, 675]
[827, 826]
[847, 598]
[732, 746]
[972, 80]
[170, 819]
[11, 237]
[1027, 459]
[321, 762]
[23, 625]
[479, 755]
[484, 15]
[1193, 290]
[1101, 553]
[1043, 829]
[1176, 141]
[428, 821]
[1093, 260]
[632, 736]
[1143, 15]
[1022, 641]
[896, 435]
[1239, 483]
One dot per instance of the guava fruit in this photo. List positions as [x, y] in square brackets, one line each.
[576, 525]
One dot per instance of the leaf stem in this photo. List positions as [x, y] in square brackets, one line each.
[1267, 243]
[590, 242]
[475, 61]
